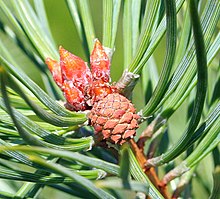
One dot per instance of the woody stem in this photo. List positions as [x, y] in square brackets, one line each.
[150, 172]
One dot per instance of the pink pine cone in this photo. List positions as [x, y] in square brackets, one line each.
[114, 118]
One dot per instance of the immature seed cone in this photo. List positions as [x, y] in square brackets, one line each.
[114, 118]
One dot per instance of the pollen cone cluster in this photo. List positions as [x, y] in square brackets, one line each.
[112, 115]
[114, 118]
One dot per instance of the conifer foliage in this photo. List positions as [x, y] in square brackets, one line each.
[136, 117]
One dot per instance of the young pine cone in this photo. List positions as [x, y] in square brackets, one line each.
[114, 118]
[112, 115]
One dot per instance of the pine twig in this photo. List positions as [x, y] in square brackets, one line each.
[150, 172]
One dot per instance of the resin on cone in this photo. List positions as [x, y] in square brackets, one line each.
[112, 115]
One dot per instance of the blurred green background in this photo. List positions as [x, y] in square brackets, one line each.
[64, 33]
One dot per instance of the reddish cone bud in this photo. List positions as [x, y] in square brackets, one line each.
[74, 69]
[75, 98]
[100, 63]
[77, 78]
[54, 68]
[101, 89]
